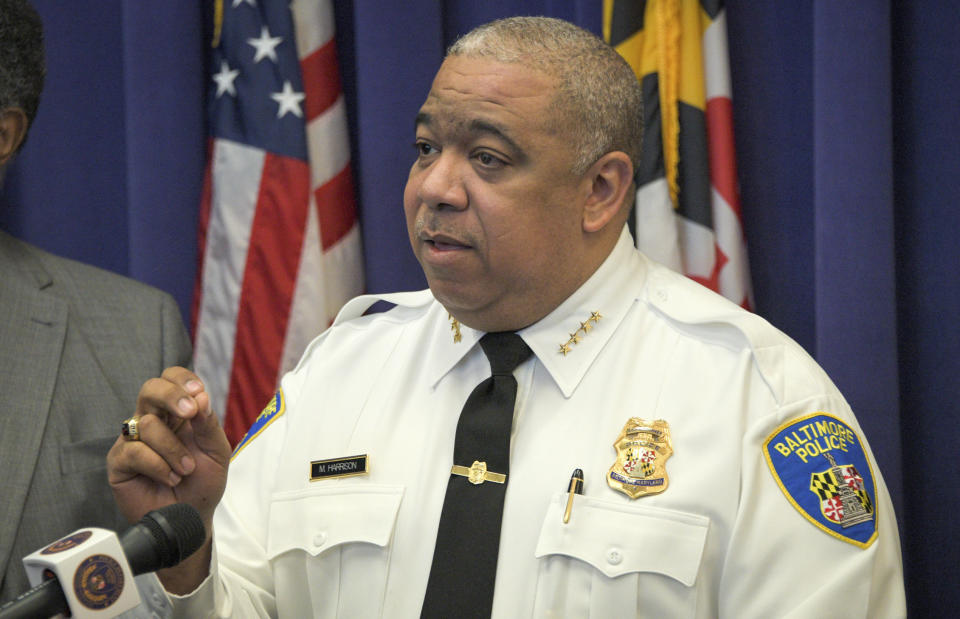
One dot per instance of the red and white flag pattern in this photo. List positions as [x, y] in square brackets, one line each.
[280, 248]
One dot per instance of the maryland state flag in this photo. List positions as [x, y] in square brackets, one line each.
[687, 214]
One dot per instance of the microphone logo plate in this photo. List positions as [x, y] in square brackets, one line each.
[71, 541]
[98, 581]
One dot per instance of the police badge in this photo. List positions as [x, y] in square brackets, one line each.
[642, 452]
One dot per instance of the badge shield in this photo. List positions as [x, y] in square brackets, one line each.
[820, 464]
[643, 448]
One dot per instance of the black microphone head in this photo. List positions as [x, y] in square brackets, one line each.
[178, 531]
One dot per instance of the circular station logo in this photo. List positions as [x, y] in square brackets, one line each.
[98, 581]
[71, 541]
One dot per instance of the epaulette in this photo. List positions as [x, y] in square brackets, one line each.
[355, 307]
[689, 304]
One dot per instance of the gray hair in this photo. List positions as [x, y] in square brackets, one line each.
[22, 66]
[599, 100]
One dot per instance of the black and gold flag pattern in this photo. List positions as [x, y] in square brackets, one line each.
[688, 206]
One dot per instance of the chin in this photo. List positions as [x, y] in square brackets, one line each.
[449, 299]
[455, 302]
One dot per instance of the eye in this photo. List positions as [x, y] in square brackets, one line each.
[424, 149]
[489, 160]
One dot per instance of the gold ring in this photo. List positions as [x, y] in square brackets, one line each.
[130, 429]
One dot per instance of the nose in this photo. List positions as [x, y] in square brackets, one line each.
[441, 184]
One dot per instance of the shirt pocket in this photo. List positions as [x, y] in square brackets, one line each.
[618, 560]
[332, 545]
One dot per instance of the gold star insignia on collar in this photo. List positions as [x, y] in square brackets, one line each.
[455, 327]
[575, 337]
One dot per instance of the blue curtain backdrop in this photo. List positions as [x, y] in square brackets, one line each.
[845, 117]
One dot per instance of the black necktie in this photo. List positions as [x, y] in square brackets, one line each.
[465, 558]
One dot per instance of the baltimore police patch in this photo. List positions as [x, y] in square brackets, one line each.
[275, 407]
[819, 463]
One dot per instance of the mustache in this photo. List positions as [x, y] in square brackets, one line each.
[429, 225]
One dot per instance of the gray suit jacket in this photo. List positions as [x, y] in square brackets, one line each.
[76, 343]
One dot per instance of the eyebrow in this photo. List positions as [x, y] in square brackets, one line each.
[474, 126]
[422, 119]
[480, 126]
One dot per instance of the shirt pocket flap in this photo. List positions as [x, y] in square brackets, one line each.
[618, 539]
[317, 520]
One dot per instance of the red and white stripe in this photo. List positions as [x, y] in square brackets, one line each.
[716, 258]
[733, 274]
[279, 240]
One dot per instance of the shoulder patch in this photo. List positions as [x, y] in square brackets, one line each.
[275, 408]
[820, 465]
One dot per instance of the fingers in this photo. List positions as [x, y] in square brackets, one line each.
[162, 439]
[167, 450]
[163, 405]
[159, 454]
[173, 395]
[181, 454]
[129, 459]
[180, 388]
[207, 433]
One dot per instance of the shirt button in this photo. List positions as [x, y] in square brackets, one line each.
[614, 556]
[319, 539]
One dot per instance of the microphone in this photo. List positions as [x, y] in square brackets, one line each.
[163, 538]
[94, 582]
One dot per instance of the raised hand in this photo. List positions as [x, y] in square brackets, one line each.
[180, 455]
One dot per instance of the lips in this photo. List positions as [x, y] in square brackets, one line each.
[442, 242]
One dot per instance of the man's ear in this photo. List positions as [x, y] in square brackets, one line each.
[13, 128]
[611, 179]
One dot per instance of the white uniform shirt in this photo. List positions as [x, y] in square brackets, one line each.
[721, 540]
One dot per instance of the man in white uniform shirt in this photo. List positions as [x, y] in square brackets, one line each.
[723, 473]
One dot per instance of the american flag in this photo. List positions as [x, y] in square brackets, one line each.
[687, 213]
[279, 242]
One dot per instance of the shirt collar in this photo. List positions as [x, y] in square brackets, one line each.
[610, 292]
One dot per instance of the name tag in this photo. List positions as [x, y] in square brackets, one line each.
[338, 467]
